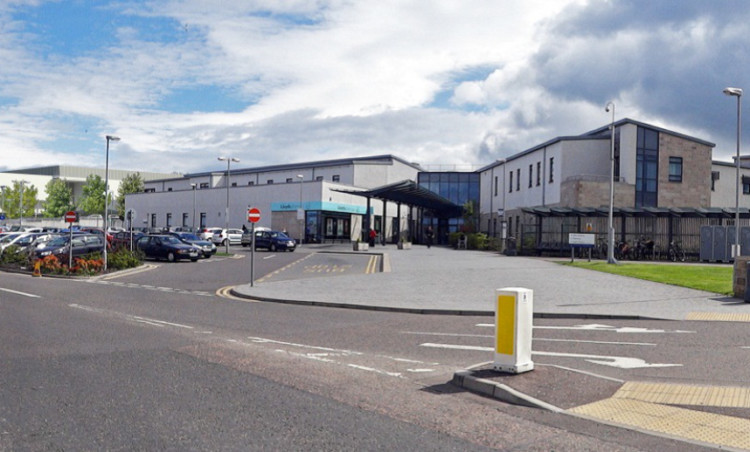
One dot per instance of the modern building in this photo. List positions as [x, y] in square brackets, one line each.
[74, 176]
[313, 201]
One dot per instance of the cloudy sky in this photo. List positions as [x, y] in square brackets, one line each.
[449, 84]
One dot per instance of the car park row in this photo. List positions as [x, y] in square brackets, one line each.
[155, 244]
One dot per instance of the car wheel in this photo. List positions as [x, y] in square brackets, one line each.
[244, 245]
[194, 259]
[170, 257]
[224, 242]
[272, 248]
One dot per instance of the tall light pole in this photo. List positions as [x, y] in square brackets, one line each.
[2, 188]
[610, 220]
[193, 186]
[106, 197]
[20, 204]
[301, 212]
[226, 215]
[737, 92]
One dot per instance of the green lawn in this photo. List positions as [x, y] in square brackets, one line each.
[717, 279]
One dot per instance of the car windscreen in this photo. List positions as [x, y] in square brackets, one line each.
[189, 237]
[280, 235]
[57, 241]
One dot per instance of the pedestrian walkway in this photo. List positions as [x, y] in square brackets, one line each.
[445, 280]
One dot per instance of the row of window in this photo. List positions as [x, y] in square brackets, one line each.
[289, 180]
[532, 179]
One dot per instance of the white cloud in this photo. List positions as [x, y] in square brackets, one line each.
[327, 79]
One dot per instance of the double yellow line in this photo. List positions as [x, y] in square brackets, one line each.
[372, 265]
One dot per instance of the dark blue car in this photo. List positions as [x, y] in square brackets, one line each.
[274, 240]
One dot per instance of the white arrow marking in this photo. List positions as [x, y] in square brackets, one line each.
[622, 362]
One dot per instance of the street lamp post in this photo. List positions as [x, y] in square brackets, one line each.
[610, 220]
[301, 212]
[106, 197]
[737, 92]
[193, 186]
[2, 188]
[226, 215]
[20, 204]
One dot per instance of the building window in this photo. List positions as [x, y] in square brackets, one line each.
[518, 179]
[745, 185]
[496, 185]
[538, 173]
[169, 189]
[234, 184]
[203, 220]
[714, 178]
[551, 169]
[675, 169]
[153, 220]
[169, 220]
[647, 168]
[531, 175]
[184, 220]
[252, 182]
[204, 185]
[510, 186]
[149, 190]
[336, 178]
[269, 181]
[318, 178]
[288, 180]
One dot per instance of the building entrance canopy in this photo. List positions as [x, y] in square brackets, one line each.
[410, 193]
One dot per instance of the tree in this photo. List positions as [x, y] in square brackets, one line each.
[92, 200]
[470, 217]
[132, 183]
[59, 198]
[12, 200]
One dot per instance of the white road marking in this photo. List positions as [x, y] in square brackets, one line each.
[420, 370]
[622, 362]
[20, 293]
[597, 327]
[594, 342]
[425, 333]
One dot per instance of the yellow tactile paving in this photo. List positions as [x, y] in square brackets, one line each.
[676, 394]
[718, 317]
[693, 425]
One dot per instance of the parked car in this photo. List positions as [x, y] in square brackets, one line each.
[233, 235]
[208, 233]
[247, 235]
[60, 246]
[166, 247]
[122, 238]
[274, 240]
[206, 248]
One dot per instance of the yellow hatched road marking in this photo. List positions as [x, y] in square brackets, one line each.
[719, 317]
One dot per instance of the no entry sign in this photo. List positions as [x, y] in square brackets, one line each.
[253, 215]
[71, 216]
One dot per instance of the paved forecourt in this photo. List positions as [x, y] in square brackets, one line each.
[442, 279]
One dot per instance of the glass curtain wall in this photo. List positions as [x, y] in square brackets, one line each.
[457, 187]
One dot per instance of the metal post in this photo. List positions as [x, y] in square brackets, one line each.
[106, 198]
[737, 92]
[610, 227]
[301, 212]
[193, 185]
[226, 214]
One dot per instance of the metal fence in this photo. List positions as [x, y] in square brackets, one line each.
[550, 236]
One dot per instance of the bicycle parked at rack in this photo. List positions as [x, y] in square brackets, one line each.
[675, 252]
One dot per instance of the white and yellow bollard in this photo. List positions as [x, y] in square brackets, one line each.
[514, 312]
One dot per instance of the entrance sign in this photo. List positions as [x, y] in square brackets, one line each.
[581, 240]
[71, 216]
[253, 215]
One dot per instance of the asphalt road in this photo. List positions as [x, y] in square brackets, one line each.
[156, 360]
